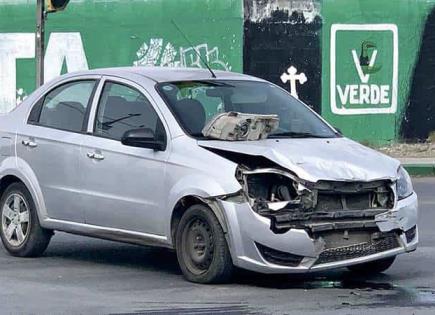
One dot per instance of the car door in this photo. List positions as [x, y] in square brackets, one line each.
[49, 143]
[123, 185]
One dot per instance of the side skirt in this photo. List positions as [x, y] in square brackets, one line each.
[107, 233]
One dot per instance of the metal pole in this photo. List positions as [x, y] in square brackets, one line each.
[39, 42]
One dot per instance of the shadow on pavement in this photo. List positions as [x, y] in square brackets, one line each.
[110, 253]
[374, 291]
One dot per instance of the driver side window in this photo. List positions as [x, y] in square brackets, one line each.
[122, 108]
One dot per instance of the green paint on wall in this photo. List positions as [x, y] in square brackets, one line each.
[123, 33]
[367, 101]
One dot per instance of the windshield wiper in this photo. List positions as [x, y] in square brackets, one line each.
[294, 134]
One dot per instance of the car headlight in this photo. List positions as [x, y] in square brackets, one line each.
[404, 184]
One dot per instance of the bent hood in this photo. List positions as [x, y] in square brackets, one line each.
[337, 159]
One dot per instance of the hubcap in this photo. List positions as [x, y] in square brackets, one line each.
[15, 219]
[198, 246]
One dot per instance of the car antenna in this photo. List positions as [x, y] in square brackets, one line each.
[197, 52]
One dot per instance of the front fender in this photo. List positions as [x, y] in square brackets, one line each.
[197, 185]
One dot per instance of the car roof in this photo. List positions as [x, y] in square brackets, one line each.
[167, 74]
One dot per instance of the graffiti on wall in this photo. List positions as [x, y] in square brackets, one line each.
[371, 86]
[66, 51]
[280, 34]
[157, 52]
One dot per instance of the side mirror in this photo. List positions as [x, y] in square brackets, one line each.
[143, 138]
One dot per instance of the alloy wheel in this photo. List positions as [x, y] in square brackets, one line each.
[15, 219]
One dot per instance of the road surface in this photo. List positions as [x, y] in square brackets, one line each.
[88, 276]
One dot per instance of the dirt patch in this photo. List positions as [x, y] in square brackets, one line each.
[409, 150]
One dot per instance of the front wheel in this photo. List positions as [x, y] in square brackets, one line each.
[373, 267]
[20, 231]
[202, 249]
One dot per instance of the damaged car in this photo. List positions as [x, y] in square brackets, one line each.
[227, 169]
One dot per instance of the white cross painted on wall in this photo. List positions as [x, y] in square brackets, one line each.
[291, 76]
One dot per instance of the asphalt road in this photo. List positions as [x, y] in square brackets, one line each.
[87, 276]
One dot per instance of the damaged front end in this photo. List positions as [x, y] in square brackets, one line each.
[339, 216]
[281, 222]
[317, 207]
[344, 220]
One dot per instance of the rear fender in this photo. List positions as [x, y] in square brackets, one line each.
[20, 169]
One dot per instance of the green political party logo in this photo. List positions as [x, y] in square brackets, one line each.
[364, 69]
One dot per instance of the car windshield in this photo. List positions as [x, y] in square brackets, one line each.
[194, 103]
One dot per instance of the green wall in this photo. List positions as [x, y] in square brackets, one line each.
[366, 100]
[120, 33]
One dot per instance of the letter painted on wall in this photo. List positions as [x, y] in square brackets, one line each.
[62, 48]
[13, 46]
[364, 69]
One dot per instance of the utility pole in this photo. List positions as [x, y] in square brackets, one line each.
[41, 14]
[39, 42]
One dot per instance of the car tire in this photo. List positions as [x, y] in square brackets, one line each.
[20, 231]
[373, 267]
[201, 247]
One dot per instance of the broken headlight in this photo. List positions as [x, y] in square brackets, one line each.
[270, 189]
[404, 184]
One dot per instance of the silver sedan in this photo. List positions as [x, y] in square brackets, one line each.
[227, 169]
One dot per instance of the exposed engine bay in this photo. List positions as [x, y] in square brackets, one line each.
[290, 202]
[340, 215]
[234, 126]
[321, 206]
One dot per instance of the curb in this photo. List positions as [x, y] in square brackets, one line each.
[420, 169]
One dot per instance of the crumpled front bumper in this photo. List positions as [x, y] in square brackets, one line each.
[246, 228]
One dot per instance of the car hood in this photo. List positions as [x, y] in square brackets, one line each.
[336, 159]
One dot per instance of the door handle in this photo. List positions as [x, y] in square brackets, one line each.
[95, 156]
[29, 143]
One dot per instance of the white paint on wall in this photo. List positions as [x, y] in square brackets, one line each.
[13, 46]
[292, 76]
[260, 10]
[61, 47]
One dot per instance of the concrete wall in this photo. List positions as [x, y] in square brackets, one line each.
[366, 65]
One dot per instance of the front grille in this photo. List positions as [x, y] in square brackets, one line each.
[386, 242]
[278, 257]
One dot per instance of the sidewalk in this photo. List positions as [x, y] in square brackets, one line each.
[419, 166]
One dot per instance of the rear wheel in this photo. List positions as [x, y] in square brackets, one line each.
[202, 250]
[20, 231]
[373, 267]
